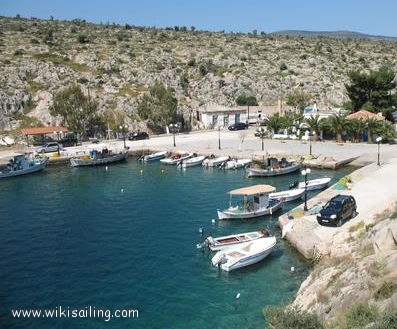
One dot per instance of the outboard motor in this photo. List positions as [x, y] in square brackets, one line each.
[218, 259]
[293, 185]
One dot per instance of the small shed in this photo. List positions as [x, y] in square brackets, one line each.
[42, 131]
[364, 115]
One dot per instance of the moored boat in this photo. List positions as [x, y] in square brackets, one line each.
[154, 156]
[289, 195]
[272, 167]
[176, 158]
[236, 164]
[228, 241]
[244, 255]
[214, 162]
[315, 184]
[98, 158]
[259, 205]
[23, 164]
[192, 162]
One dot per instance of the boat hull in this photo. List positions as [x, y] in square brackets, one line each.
[215, 244]
[287, 196]
[154, 157]
[254, 172]
[248, 261]
[233, 164]
[214, 162]
[78, 162]
[33, 169]
[173, 162]
[230, 214]
[192, 162]
[315, 184]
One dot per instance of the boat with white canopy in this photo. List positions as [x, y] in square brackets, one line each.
[256, 203]
[214, 162]
[228, 241]
[289, 195]
[244, 255]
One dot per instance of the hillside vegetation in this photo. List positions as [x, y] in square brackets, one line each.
[116, 66]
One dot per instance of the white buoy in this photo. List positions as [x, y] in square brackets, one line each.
[198, 246]
[201, 230]
[122, 190]
[213, 221]
[106, 168]
[238, 295]
[292, 269]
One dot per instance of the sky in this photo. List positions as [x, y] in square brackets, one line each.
[367, 16]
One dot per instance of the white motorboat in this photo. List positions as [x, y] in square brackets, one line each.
[98, 158]
[214, 162]
[176, 158]
[272, 167]
[260, 205]
[289, 195]
[315, 184]
[236, 164]
[191, 162]
[244, 255]
[228, 241]
[23, 164]
[154, 156]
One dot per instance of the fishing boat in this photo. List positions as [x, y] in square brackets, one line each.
[228, 241]
[191, 162]
[214, 162]
[256, 203]
[23, 164]
[244, 255]
[272, 167]
[176, 158]
[236, 164]
[96, 158]
[154, 156]
[314, 184]
[289, 195]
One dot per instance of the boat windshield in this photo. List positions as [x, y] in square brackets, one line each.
[332, 204]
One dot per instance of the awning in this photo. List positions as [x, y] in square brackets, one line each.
[43, 130]
[252, 190]
[364, 115]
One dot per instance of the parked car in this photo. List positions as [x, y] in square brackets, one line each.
[238, 126]
[49, 147]
[69, 140]
[337, 210]
[41, 140]
[138, 135]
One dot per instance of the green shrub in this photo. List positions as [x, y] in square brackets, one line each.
[286, 318]
[386, 290]
[388, 321]
[360, 315]
[82, 38]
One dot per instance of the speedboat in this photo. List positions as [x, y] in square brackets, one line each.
[22, 164]
[154, 156]
[214, 162]
[191, 162]
[176, 158]
[96, 158]
[236, 164]
[289, 195]
[228, 241]
[244, 255]
[259, 205]
[314, 184]
[272, 167]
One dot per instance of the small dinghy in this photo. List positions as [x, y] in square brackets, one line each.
[244, 255]
[192, 162]
[315, 184]
[176, 158]
[289, 195]
[154, 156]
[215, 162]
[236, 164]
[228, 241]
[23, 164]
[98, 158]
[259, 204]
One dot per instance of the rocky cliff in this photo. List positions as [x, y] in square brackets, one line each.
[117, 64]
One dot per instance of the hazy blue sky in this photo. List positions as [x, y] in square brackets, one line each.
[368, 16]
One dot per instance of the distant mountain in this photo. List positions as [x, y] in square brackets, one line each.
[333, 34]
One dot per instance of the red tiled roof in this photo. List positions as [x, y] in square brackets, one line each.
[364, 115]
[43, 130]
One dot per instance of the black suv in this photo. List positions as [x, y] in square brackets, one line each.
[138, 135]
[238, 126]
[337, 210]
[69, 140]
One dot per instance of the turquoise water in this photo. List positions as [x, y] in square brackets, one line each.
[71, 237]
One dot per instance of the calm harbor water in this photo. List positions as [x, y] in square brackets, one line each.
[70, 237]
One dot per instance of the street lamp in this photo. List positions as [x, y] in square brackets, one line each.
[310, 142]
[219, 137]
[123, 129]
[174, 128]
[378, 140]
[261, 133]
[304, 173]
[55, 132]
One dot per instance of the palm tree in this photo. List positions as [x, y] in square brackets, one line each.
[373, 126]
[337, 124]
[356, 128]
[387, 130]
[274, 122]
[315, 123]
